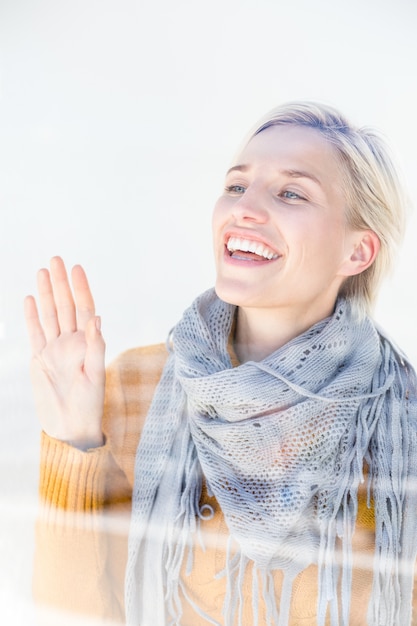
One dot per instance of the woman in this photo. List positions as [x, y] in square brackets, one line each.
[273, 476]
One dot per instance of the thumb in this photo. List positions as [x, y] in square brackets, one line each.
[94, 364]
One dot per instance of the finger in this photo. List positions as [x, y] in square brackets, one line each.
[47, 305]
[94, 362]
[35, 331]
[83, 298]
[63, 296]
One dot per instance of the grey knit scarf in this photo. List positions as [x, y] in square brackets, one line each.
[282, 445]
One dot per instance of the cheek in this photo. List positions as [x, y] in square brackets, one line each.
[218, 217]
[316, 244]
[328, 245]
[215, 227]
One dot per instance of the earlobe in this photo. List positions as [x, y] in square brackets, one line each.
[364, 254]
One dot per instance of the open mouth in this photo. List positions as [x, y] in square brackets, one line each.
[246, 249]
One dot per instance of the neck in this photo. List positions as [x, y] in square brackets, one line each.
[260, 332]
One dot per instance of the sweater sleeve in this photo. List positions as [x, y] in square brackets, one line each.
[85, 502]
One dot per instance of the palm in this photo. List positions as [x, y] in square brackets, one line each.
[67, 366]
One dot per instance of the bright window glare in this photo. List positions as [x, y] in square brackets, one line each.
[118, 121]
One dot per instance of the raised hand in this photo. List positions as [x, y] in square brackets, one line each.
[67, 365]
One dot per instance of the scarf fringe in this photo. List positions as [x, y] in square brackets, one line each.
[238, 568]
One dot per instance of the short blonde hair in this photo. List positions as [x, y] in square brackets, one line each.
[374, 196]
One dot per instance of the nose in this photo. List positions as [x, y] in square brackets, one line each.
[250, 207]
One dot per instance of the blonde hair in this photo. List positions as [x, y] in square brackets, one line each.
[374, 195]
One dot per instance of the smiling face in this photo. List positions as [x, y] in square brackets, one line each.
[280, 234]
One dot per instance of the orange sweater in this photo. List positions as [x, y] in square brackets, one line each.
[81, 535]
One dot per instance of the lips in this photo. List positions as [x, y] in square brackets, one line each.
[250, 249]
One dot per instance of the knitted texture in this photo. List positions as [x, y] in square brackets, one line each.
[281, 444]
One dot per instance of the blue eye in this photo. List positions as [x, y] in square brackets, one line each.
[292, 195]
[235, 189]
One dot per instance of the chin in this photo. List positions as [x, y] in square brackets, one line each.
[225, 296]
[236, 294]
[227, 292]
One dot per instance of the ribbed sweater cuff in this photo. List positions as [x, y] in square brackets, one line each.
[72, 480]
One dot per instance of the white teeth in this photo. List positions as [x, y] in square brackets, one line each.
[246, 245]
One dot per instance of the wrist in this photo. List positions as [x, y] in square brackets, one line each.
[86, 443]
[83, 442]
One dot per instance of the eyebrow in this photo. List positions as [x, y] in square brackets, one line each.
[237, 168]
[288, 173]
[301, 174]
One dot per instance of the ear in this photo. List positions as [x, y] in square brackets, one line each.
[366, 245]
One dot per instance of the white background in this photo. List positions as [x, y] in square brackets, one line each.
[118, 119]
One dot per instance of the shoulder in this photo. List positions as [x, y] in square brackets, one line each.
[141, 361]
[131, 380]
[137, 371]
